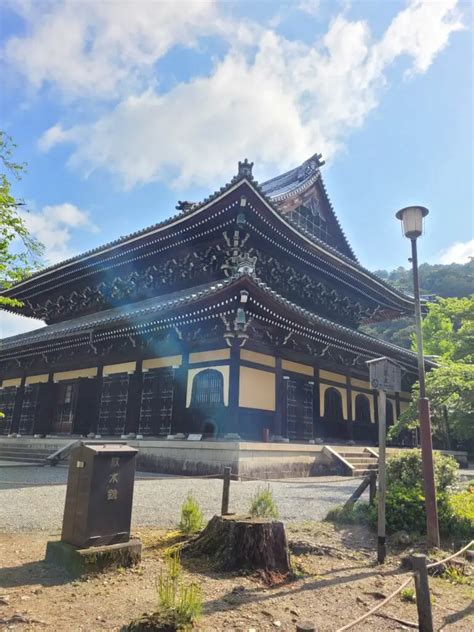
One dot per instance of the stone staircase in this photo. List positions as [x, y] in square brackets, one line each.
[361, 460]
[26, 455]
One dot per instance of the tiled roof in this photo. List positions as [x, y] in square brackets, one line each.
[115, 315]
[155, 306]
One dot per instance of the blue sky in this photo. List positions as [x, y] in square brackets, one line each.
[121, 109]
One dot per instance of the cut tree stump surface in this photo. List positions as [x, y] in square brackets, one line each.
[242, 542]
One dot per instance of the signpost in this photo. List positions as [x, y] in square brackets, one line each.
[385, 375]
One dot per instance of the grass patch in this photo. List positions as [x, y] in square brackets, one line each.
[192, 519]
[263, 504]
[358, 513]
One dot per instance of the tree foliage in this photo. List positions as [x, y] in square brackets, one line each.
[445, 281]
[19, 251]
[454, 280]
[448, 333]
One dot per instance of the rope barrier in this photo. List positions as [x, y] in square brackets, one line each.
[312, 481]
[377, 607]
[400, 588]
[451, 557]
[340, 479]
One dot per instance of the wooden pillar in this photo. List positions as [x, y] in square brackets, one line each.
[278, 419]
[350, 412]
[232, 423]
[397, 406]
[180, 416]
[134, 399]
[94, 414]
[375, 438]
[316, 405]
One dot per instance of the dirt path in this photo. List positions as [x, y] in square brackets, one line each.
[330, 590]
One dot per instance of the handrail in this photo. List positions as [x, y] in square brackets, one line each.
[337, 456]
[63, 452]
[372, 452]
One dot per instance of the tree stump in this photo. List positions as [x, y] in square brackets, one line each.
[242, 542]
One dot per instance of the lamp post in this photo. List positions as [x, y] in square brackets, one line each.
[412, 224]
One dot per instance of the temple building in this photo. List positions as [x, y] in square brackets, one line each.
[239, 315]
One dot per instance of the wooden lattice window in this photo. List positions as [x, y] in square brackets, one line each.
[208, 389]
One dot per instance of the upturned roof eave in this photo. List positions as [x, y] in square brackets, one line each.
[331, 254]
[145, 310]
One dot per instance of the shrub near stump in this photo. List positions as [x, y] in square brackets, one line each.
[244, 543]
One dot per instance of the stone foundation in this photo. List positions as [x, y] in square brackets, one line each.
[77, 562]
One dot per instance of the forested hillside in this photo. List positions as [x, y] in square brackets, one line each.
[448, 281]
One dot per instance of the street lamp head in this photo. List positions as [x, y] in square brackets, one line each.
[412, 220]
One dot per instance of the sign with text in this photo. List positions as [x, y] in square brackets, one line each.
[385, 375]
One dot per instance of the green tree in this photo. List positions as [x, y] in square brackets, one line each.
[19, 252]
[448, 332]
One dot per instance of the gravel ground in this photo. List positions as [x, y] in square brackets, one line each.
[32, 498]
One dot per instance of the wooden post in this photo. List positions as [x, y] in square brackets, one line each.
[305, 626]
[381, 545]
[423, 601]
[225, 492]
[372, 487]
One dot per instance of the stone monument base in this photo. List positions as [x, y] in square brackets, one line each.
[77, 562]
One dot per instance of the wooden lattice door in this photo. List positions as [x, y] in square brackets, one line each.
[113, 404]
[156, 409]
[28, 408]
[299, 408]
[65, 407]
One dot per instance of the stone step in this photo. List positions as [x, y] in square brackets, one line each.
[26, 449]
[362, 472]
[361, 454]
[362, 461]
[22, 459]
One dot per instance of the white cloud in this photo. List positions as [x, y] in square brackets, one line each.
[11, 324]
[273, 100]
[311, 7]
[459, 252]
[99, 49]
[52, 226]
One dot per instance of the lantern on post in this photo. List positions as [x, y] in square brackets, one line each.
[385, 375]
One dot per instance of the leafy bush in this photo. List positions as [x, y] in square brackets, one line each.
[178, 603]
[405, 501]
[405, 468]
[459, 520]
[263, 504]
[191, 516]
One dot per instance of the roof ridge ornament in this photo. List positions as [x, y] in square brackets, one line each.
[245, 169]
[310, 166]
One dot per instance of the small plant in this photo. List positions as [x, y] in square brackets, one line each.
[455, 576]
[408, 595]
[263, 504]
[191, 516]
[358, 513]
[178, 603]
